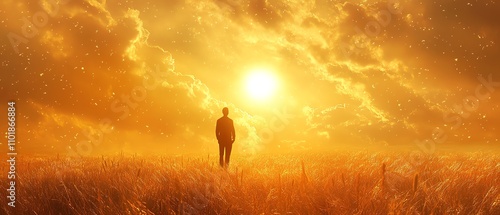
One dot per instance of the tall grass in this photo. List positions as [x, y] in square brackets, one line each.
[330, 183]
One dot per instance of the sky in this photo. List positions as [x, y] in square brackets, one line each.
[92, 77]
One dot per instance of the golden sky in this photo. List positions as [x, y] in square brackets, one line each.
[157, 73]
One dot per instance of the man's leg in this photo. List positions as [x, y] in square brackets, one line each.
[229, 147]
[221, 155]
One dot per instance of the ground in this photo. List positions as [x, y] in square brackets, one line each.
[289, 183]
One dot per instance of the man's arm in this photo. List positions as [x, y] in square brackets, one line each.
[217, 130]
[233, 132]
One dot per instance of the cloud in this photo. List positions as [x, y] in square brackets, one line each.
[161, 71]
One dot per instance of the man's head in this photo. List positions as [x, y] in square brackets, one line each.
[225, 111]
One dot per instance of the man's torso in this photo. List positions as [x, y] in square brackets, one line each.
[225, 128]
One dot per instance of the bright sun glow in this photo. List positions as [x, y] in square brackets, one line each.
[261, 84]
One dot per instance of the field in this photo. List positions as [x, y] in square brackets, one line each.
[312, 183]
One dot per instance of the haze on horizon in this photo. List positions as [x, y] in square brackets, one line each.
[294, 74]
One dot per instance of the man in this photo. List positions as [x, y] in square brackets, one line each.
[224, 130]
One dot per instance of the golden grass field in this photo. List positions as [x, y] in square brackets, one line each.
[308, 183]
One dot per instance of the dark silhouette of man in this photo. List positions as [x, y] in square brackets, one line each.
[224, 130]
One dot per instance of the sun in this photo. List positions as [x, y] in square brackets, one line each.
[261, 84]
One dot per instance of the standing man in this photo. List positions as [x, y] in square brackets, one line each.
[224, 130]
